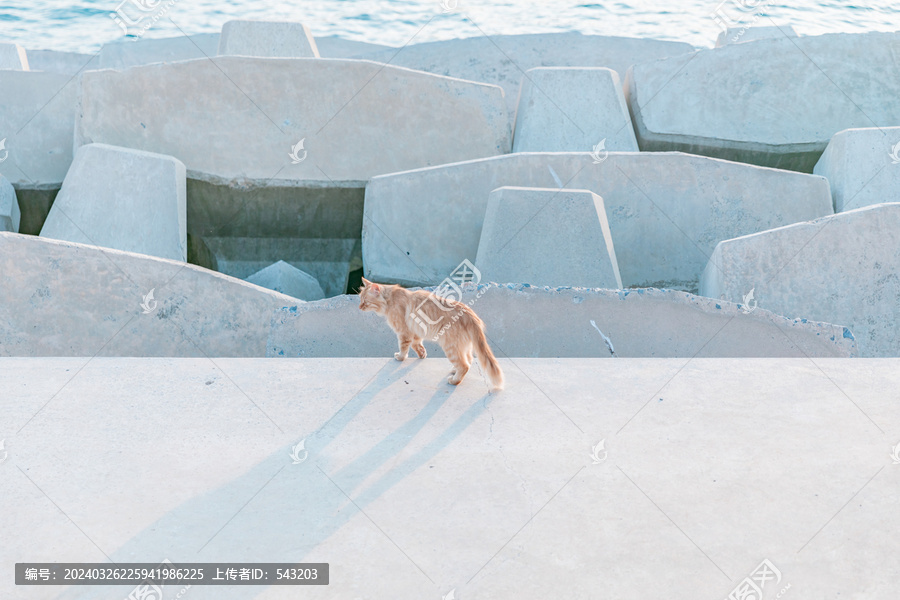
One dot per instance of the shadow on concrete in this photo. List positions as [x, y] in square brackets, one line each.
[279, 511]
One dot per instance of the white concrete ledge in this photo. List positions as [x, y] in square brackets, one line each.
[411, 488]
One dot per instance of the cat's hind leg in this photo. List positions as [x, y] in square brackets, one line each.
[419, 348]
[404, 347]
[460, 362]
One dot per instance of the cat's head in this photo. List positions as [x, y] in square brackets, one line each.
[371, 296]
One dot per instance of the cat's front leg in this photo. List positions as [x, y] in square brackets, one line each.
[404, 348]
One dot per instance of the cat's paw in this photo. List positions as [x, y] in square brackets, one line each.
[399, 356]
[454, 380]
[420, 351]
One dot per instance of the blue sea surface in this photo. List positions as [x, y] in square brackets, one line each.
[83, 26]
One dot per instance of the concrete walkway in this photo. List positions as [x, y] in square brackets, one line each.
[411, 489]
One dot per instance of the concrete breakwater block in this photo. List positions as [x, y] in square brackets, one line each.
[77, 300]
[843, 268]
[123, 199]
[543, 322]
[67, 63]
[333, 46]
[862, 166]
[130, 53]
[13, 56]
[9, 207]
[666, 211]
[723, 466]
[547, 237]
[36, 122]
[292, 119]
[502, 59]
[739, 35]
[273, 39]
[774, 102]
[289, 280]
[328, 260]
[572, 110]
[36, 128]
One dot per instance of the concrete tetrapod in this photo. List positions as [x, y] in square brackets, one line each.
[78, 300]
[124, 199]
[273, 39]
[36, 128]
[775, 102]
[547, 237]
[862, 166]
[134, 52]
[666, 211]
[564, 109]
[9, 207]
[502, 59]
[740, 35]
[289, 280]
[13, 57]
[843, 268]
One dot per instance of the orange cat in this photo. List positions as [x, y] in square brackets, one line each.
[415, 315]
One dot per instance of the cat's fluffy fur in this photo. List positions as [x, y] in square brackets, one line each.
[417, 315]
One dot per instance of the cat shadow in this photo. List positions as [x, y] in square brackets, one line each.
[278, 511]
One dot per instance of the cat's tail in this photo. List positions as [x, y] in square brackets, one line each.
[488, 361]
